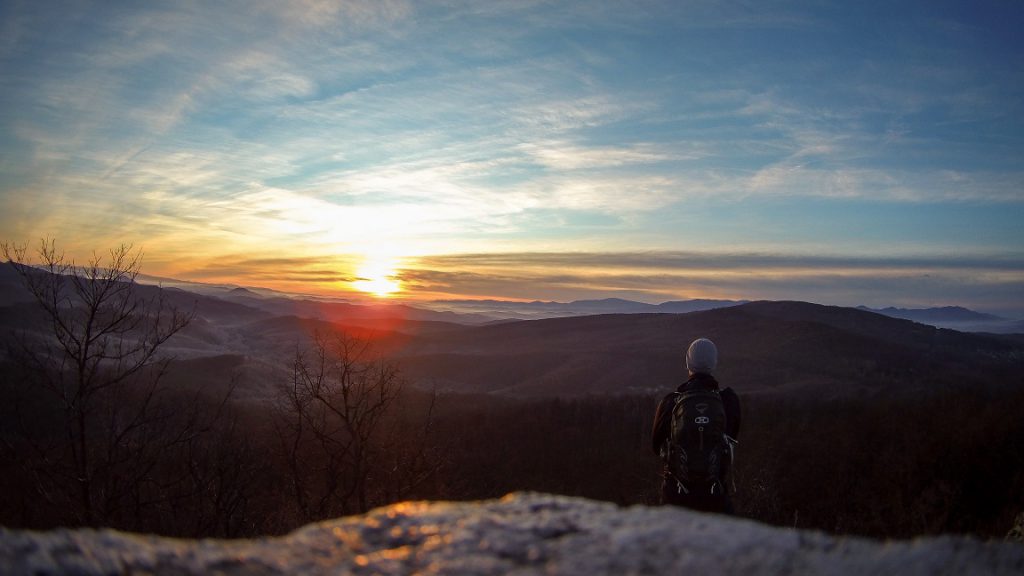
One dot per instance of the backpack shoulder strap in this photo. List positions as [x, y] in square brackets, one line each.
[699, 392]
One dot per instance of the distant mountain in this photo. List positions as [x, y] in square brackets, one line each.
[929, 315]
[349, 312]
[237, 292]
[208, 289]
[686, 306]
[12, 290]
[784, 347]
[320, 307]
[477, 312]
[504, 309]
[954, 318]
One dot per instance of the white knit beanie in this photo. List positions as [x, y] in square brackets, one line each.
[702, 356]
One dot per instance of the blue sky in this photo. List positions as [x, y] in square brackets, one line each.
[836, 152]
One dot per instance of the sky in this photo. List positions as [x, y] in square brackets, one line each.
[842, 153]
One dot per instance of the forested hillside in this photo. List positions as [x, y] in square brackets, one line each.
[853, 422]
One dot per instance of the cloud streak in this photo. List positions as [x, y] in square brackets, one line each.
[660, 276]
[339, 130]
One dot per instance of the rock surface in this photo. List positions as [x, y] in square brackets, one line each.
[519, 534]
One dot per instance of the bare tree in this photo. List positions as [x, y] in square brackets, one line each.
[226, 469]
[97, 365]
[333, 425]
[411, 453]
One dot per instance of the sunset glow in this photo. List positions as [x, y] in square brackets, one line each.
[655, 151]
[377, 278]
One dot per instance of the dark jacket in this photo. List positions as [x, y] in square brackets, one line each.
[671, 494]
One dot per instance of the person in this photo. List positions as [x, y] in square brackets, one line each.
[709, 496]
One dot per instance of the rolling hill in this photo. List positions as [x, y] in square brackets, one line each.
[764, 346]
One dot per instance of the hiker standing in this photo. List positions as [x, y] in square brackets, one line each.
[695, 429]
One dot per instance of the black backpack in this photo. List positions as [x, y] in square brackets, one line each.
[697, 444]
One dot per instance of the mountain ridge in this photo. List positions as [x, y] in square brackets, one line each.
[483, 311]
[764, 346]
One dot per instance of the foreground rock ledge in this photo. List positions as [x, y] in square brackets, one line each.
[519, 534]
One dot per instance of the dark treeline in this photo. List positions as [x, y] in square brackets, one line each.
[886, 464]
[880, 464]
[883, 464]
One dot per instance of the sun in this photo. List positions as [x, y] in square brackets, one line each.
[378, 277]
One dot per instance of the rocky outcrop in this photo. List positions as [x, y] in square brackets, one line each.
[520, 534]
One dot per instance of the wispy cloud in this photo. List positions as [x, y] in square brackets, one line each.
[562, 155]
[723, 261]
[660, 276]
[297, 273]
[318, 128]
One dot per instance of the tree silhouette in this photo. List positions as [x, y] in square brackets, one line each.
[97, 374]
[331, 424]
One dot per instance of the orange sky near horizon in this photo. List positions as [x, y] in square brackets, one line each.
[412, 151]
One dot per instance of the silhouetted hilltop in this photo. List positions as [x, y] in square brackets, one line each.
[505, 309]
[763, 345]
[954, 317]
[243, 292]
[941, 314]
[12, 290]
